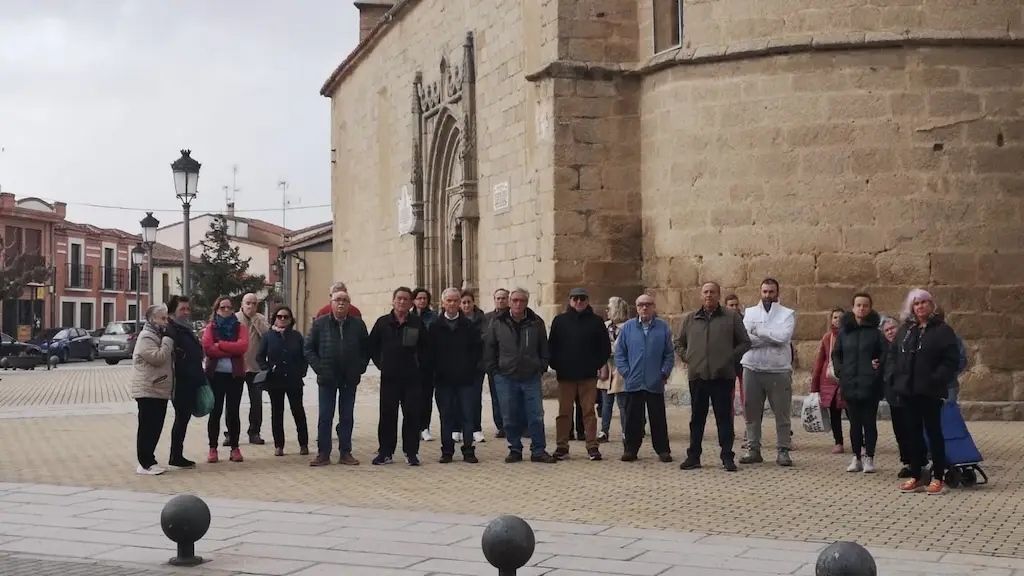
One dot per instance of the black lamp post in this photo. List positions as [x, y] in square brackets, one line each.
[149, 227]
[138, 254]
[186, 182]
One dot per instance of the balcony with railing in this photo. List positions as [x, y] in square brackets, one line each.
[138, 279]
[78, 277]
[113, 279]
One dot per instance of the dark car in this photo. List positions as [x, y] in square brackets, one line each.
[66, 343]
[117, 342]
[14, 354]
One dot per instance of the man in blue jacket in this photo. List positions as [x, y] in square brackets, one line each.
[644, 357]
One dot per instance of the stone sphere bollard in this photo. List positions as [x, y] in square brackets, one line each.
[508, 543]
[845, 559]
[185, 519]
[52, 362]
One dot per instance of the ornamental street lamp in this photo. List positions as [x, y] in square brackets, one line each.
[149, 227]
[138, 253]
[186, 181]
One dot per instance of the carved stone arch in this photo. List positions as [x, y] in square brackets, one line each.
[445, 174]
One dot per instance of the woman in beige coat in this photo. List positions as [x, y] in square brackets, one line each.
[610, 382]
[152, 386]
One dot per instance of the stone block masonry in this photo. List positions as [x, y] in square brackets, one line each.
[880, 170]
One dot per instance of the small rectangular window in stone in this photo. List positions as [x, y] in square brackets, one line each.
[668, 24]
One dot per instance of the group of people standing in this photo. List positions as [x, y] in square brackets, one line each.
[236, 350]
[445, 356]
[912, 362]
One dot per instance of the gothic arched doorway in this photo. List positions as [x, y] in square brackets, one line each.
[445, 176]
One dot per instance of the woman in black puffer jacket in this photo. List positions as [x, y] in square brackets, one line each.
[857, 356]
[922, 361]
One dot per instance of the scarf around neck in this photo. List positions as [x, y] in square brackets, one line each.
[227, 328]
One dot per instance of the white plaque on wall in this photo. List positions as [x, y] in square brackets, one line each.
[501, 196]
[406, 218]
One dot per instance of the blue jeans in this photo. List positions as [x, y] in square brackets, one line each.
[607, 404]
[522, 400]
[346, 402]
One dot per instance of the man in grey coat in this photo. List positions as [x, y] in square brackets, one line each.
[710, 341]
[516, 352]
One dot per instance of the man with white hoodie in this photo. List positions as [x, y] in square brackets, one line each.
[768, 372]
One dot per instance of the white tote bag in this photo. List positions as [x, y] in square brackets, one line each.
[813, 417]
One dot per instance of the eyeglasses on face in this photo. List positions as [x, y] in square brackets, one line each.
[578, 298]
[644, 304]
[283, 317]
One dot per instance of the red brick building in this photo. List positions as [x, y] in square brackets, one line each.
[95, 280]
[92, 281]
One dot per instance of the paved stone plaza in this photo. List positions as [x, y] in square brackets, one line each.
[91, 446]
[112, 528]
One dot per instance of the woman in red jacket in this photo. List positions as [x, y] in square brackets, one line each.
[225, 342]
[824, 381]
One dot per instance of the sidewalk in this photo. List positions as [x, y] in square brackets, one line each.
[52, 529]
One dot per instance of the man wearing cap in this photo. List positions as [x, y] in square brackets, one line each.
[579, 348]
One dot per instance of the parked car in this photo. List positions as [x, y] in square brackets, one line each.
[66, 343]
[117, 342]
[14, 354]
[96, 335]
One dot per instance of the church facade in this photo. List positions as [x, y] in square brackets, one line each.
[629, 145]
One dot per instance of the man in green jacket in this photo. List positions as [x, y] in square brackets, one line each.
[710, 342]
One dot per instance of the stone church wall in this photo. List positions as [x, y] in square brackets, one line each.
[372, 130]
[840, 171]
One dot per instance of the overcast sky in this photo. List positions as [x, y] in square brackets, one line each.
[98, 96]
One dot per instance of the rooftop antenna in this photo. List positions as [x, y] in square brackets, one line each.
[285, 202]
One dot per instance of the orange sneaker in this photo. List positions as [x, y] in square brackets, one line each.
[212, 457]
[937, 488]
[912, 485]
[236, 455]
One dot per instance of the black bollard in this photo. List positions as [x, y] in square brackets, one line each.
[185, 520]
[508, 543]
[845, 559]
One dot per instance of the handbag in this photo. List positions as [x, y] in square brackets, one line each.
[204, 401]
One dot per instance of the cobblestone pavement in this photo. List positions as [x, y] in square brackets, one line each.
[115, 533]
[813, 501]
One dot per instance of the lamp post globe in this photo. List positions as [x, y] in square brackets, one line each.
[149, 226]
[138, 255]
[186, 177]
[186, 183]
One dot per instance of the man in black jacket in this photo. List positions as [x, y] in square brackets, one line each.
[398, 347]
[188, 375]
[456, 348]
[337, 349]
[580, 349]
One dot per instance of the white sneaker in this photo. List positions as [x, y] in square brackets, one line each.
[869, 465]
[426, 436]
[602, 436]
[855, 465]
[479, 437]
[153, 470]
[457, 436]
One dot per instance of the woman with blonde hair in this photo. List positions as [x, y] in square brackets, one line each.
[824, 380]
[610, 382]
[922, 360]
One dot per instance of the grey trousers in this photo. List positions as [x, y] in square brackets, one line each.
[777, 388]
